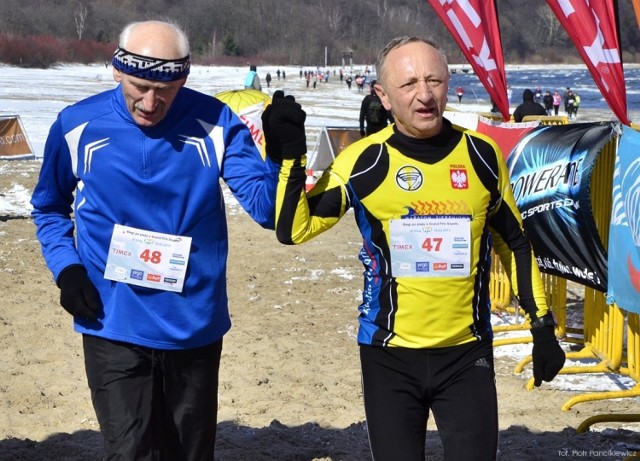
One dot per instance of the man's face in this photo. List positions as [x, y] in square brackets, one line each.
[414, 87]
[148, 101]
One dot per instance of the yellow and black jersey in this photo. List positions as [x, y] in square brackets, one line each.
[429, 211]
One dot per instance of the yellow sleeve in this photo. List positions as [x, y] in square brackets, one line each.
[300, 216]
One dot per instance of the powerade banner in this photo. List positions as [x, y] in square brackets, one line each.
[624, 230]
[550, 171]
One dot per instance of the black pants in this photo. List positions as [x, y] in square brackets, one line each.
[154, 405]
[401, 385]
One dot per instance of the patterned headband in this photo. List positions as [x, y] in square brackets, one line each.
[148, 68]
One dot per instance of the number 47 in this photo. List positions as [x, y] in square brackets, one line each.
[432, 243]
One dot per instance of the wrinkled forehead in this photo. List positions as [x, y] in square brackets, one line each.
[418, 59]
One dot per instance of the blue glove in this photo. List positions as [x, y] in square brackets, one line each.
[78, 295]
[548, 356]
[283, 127]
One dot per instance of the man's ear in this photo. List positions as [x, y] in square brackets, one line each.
[382, 95]
[117, 75]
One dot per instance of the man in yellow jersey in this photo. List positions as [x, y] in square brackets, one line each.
[430, 200]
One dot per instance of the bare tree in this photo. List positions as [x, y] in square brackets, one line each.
[80, 17]
[551, 24]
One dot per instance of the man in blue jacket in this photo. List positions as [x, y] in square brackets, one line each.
[141, 263]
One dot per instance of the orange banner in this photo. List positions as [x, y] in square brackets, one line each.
[636, 8]
[13, 140]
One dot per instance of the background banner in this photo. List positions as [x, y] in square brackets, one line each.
[624, 231]
[593, 28]
[474, 26]
[550, 171]
[14, 143]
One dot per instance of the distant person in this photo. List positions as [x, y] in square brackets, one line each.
[537, 95]
[459, 94]
[576, 104]
[430, 199]
[547, 102]
[565, 98]
[252, 80]
[268, 78]
[494, 108]
[571, 101]
[528, 107]
[130, 216]
[372, 112]
[557, 100]
[348, 81]
[509, 93]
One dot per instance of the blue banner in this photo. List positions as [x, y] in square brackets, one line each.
[550, 172]
[624, 230]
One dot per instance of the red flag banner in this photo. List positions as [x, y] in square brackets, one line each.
[593, 29]
[474, 26]
[505, 134]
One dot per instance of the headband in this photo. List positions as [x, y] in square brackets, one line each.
[148, 68]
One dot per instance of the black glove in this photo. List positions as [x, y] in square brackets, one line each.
[78, 295]
[273, 147]
[548, 356]
[283, 127]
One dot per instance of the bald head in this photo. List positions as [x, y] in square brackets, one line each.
[155, 39]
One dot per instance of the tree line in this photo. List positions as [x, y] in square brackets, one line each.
[286, 32]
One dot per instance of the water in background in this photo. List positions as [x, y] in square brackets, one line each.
[577, 78]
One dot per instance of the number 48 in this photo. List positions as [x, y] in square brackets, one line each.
[154, 257]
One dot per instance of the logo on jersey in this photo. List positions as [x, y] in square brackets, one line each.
[459, 178]
[409, 178]
[90, 149]
[200, 146]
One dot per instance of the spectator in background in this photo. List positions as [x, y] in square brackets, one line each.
[459, 94]
[372, 112]
[348, 81]
[528, 107]
[557, 100]
[565, 98]
[252, 80]
[268, 78]
[547, 101]
[537, 95]
[576, 104]
[571, 101]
